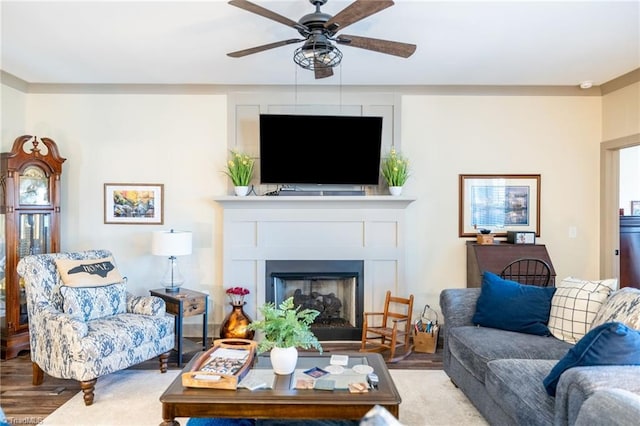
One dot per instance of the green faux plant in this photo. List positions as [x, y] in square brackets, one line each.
[395, 169]
[240, 169]
[286, 326]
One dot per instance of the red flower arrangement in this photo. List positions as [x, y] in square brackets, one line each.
[236, 294]
[238, 290]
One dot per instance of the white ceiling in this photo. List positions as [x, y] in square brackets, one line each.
[185, 42]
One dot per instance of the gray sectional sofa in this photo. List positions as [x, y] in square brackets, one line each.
[502, 372]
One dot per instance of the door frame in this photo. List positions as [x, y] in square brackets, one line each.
[610, 203]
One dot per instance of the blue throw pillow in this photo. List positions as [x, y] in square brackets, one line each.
[611, 343]
[512, 306]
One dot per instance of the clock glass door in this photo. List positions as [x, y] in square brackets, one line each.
[3, 279]
[34, 238]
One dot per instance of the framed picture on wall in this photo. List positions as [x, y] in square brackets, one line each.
[499, 203]
[134, 203]
[635, 208]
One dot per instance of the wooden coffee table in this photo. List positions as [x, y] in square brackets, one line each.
[283, 401]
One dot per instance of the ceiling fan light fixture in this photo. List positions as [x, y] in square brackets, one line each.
[313, 54]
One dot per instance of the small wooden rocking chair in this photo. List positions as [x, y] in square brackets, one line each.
[389, 329]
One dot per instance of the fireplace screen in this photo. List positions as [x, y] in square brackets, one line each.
[331, 287]
[334, 298]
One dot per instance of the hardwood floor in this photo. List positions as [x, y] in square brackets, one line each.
[26, 404]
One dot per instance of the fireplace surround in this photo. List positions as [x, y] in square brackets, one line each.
[259, 230]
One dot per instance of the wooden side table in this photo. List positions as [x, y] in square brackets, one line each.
[185, 303]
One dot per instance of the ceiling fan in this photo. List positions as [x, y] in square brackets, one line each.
[319, 31]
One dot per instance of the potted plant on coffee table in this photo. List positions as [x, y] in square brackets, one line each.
[285, 329]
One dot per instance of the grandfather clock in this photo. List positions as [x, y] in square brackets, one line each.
[29, 224]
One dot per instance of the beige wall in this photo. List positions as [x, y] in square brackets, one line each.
[181, 141]
[556, 137]
[621, 119]
[176, 140]
[621, 112]
[12, 116]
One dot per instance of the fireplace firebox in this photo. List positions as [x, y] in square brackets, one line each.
[332, 287]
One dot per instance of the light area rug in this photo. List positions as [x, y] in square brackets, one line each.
[132, 398]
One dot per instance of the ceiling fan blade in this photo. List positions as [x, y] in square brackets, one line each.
[259, 10]
[383, 46]
[245, 52]
[356, 11]
[321, 71]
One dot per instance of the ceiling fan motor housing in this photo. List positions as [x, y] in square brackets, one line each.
[314, 22]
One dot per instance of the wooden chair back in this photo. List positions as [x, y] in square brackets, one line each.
[530, 271]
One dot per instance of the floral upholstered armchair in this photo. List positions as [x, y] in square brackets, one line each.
[84, 324]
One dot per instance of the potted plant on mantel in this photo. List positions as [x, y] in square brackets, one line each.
[395, 170]
[285, 329]
[240, 170]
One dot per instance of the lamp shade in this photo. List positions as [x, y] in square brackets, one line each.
[171, 243]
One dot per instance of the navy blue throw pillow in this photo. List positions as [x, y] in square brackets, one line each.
[611, 343]
[512, 306]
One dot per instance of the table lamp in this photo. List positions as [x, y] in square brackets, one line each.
[171, 243]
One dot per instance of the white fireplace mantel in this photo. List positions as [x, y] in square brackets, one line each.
[261, 228]
[315, 202]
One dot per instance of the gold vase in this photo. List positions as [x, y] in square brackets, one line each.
[235, 324]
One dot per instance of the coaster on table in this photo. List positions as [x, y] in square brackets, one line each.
[358, 387]
[325, 384]
[304, 384]
[334, 369]
[339, 360]
[362, 369]
[253, 384]
[316, 372]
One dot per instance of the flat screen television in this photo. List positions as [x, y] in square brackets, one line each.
[320, 149]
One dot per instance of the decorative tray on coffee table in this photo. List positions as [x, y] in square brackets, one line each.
[222, 366]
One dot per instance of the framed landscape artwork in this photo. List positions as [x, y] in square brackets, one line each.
[499, 203]
[635, 208]
[133, 203]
